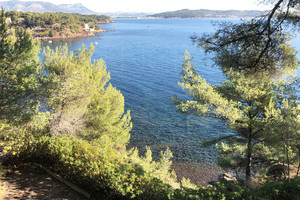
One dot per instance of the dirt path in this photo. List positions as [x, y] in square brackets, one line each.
[33, 183]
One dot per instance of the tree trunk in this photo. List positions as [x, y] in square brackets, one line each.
[298, 163]
[288, 161]
[248, 158]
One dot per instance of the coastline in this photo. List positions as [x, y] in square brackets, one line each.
[82, 34]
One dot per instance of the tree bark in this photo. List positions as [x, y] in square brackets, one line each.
[248, 158]
[299, 162]
[288, 161]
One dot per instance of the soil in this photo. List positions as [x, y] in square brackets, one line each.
[34, 183]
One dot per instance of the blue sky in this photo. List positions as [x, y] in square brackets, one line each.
[161, 5]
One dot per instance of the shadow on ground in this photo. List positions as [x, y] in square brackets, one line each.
[28, 182]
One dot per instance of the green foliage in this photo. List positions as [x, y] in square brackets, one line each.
[52, 33]
[286, 11]
[107, 173]
[158, 169]
[257, 99]
[249, 105]
[71, 83]
[78, 99]
[245, 47]
[20, 74]
[62, 114]
[278, 190]
[228, 190]
[105, 115]
[2, 174]
[45, 24]
[203, 13]
[283, 129]
[220, 190]
[257, 46]
[97, 166]
[72, 101]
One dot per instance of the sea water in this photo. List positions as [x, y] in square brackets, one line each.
[144, 58]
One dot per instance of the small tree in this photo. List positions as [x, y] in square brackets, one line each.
[283, 131]
[78, 99]
[67, 94]
[20, 75]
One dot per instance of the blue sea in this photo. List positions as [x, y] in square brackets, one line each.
[144, 58]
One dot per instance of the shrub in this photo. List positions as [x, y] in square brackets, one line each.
[96, 166]
[280, 190]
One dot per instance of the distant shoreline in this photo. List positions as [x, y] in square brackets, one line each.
[183, 18]
[83, 34]
[208, 17]
[205, 13]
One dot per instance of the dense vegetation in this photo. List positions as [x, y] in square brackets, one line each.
[62, 114]
[202, 13]
[54, 24]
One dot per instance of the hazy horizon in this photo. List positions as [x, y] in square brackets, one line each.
[157, 6]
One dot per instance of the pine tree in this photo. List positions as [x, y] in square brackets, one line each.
[258, 63]
[78, 98]
[244, 102]
[66, 94]
[20, 73]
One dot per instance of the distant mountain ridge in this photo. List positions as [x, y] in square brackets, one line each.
[204, 13]
[41, 7]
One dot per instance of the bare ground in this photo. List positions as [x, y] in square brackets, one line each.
[31, 182]
[27, 182]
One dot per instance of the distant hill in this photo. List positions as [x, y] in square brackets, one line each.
[75, 8]
[203, 13]
[41, 7]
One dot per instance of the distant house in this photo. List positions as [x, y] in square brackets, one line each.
[8, 20]
[86, 27]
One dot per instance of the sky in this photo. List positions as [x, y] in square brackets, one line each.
[161, 5]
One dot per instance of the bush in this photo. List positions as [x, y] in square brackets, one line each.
[108, 173]
[220, 191]
[52, 33]
[280, 190]
[96, 166]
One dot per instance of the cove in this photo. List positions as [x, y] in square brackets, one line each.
[144, 58]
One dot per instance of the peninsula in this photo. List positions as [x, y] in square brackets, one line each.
[56, 25]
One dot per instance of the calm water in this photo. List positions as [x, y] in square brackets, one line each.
[144, 58]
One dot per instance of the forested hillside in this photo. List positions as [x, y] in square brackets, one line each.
[55, 24]
[202, 13]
